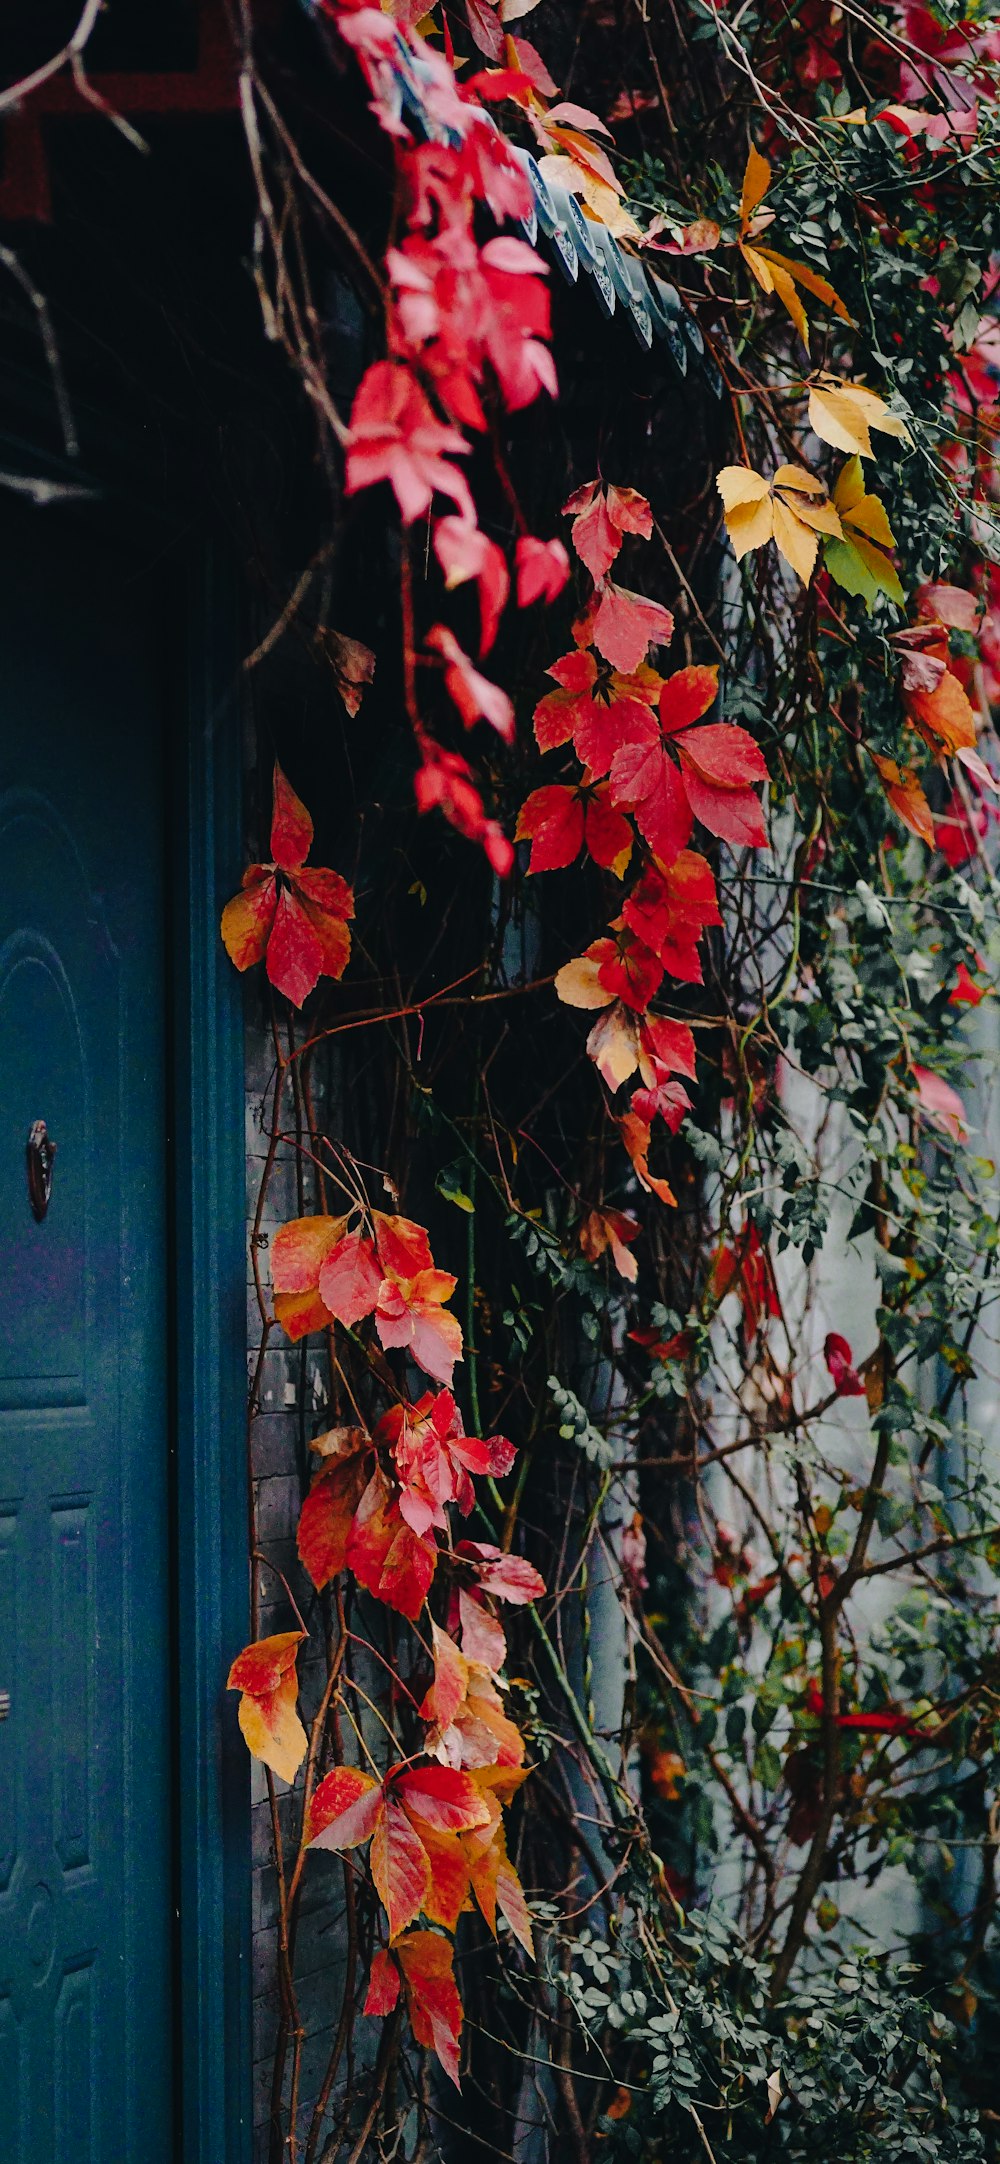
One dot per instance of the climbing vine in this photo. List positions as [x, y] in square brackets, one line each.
[652, 1690]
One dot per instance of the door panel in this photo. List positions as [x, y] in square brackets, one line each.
[85, 1773]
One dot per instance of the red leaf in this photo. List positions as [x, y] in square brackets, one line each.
[686, 696]
[941, 1104]
[260, 1667]
[301, 925]
[951, 605]
[451, 1676]
[403, 1246]
[482, 1636]
[434, 1459]
[666, 1044]
[626, 625]
[647, 783]
[606, 832]
[328, 901]
[667, 1100]
[298, 1252]
[636, 1134]
[552, 818]
[672, 907]
[400, 1866]
[557, 714]
[343, 1810]
[495, 1884]
[506, 1577]
[614, 1231]
[466, 553]
[448, 1891]
[395, 436]
[734, 814]
[484, 28]
[444, 782]
[474, 695]
[602, 518]
[294, 950]
[350, 1279]
[627, 970]
[432, 1996]
[966, 992]
[412, 1314]
[443, 1796]
[291, 826]
[601, 729]
[386, 1556]
[746, 1265]
[383, 1984]
[840, 1361]
[327, 1516]
[542, 570]
[725, 757]
[719, 762]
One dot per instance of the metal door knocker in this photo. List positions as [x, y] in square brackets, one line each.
[40, 1153]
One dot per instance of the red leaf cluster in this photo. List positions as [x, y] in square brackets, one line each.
[323, 1272]
[294, 915]
[468, 321]
[652, 768]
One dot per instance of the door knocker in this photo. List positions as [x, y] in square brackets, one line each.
[40, 1152]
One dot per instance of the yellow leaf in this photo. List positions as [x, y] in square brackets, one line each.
[578, 984]
[749, 525]
[798, 543]
[843, 414]
[579, 179]
[740, 484]
[782, 274]
[613, 1045]
[756, 182]
[792, 508]
[859, 561]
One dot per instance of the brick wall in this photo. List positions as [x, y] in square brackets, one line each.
[291, 1400]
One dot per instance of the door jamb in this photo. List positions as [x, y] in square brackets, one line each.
[209, 1352]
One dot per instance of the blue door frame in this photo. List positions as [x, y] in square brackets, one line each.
[208, 1358]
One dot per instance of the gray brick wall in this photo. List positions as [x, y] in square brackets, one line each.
[291, 1404]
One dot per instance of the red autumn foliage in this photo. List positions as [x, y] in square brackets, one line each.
[840, 1361]
[293, 915]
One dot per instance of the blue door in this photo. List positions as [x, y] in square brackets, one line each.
[85, 1720]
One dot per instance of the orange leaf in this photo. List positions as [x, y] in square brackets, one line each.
[400, 1866]
[343, 1810]
[298, 1252]
[907, 798]
[451, 1678]
[327, 1516]
[386, 1555]
[266, 1675]
[944, 715]
[432, 1996]
[247, 919]
[448, 1891]
[614, 1230]
[383, 1984]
